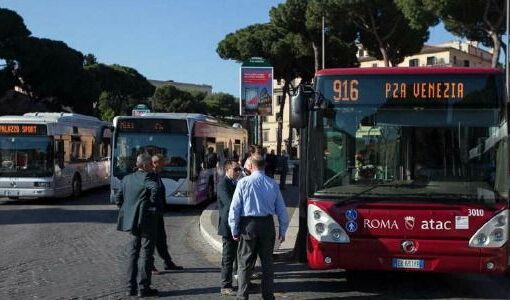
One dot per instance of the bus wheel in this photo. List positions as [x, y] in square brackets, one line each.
[76, 187]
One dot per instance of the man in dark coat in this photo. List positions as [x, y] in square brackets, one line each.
[161, 246]
[226, 188]
[137, 199]
[284, 168]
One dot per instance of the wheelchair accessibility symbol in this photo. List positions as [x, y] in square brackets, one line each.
[351, 214]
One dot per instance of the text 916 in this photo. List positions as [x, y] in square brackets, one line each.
[345, 90]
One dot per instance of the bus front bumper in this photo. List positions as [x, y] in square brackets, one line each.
[385, 255]
[27, 193]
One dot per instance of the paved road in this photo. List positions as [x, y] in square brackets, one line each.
[70, 250]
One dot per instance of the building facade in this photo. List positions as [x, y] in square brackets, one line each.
[449, 54]
[270, 123]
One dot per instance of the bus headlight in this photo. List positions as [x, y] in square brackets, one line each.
[501, 221]
[42, 184]
[497, 235]
[323, 227]
[337, 235]
[319, 228]
[481, 239]
[493, 234]
[181, 194]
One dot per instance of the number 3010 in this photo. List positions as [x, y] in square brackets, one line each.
[475, 212]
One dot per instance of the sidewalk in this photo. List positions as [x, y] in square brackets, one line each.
[209, 221]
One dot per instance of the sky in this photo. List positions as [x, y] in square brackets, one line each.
[162, 39]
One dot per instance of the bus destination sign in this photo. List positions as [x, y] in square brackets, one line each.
[22, 129]
[152, 125]
[348, 90]
[400, 89]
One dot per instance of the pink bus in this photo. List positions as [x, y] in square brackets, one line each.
[193, 145]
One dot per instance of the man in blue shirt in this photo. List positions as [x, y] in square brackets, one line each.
[256, 199]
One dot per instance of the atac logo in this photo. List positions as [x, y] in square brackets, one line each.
[409, 222]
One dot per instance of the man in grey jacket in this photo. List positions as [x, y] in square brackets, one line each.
[137, 199]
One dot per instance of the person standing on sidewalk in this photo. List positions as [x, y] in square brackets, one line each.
[161, 246]
[226, 188]
[256, 199]
[137, 199]
[284, 168]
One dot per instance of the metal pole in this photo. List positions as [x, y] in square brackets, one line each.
[323, 43]
[507, 73]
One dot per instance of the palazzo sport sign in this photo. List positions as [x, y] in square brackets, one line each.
[256, 92]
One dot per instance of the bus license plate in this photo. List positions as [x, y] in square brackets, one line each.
[408, 263]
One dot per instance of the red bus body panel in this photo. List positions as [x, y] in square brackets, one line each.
[384, 226]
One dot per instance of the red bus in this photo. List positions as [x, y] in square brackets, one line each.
[406, 169]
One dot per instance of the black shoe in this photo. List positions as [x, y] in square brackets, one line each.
[173, 266]
[147, 293]
[131, 292]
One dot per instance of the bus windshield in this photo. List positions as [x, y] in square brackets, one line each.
[26, 156]
[417, 153]
[174, 147]
[401, 136]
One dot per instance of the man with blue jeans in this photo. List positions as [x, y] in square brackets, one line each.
[256, 199]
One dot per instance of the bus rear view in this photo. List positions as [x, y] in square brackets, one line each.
[412, 171]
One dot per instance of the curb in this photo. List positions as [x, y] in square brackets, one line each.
[205, 221]
[282, 251]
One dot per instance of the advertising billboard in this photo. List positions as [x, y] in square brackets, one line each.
[256, 88]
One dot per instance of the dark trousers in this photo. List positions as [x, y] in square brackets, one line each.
[228, 261]
[257, 238]
[161, 245]
[283, 178]
[140, 247]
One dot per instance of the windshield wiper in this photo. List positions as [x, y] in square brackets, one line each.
[354, 196]
[339, 174]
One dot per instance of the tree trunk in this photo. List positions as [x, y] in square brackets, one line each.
[496, 50]
[279, 118]
[385, 56]
[316, 56]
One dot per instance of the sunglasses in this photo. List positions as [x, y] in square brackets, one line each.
[237, 169]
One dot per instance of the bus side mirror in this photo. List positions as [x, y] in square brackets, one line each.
[299, 108]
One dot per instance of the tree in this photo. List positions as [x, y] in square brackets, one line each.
[304, 19]
[301, 24]
[482, 20]
[47, 70]
[168, 98]
[117, 89]
[383, 29]
[12, 28]
[290, 53]
[221, 105]
[61, 77]
[89, 60]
